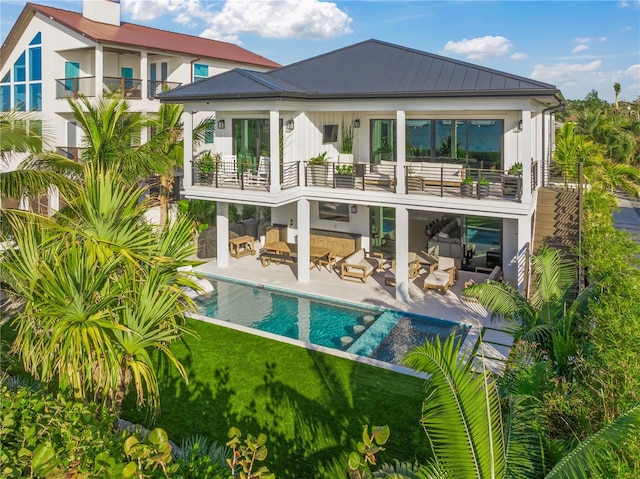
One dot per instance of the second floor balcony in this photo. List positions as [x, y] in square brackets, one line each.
[449, 180]
[131, 88]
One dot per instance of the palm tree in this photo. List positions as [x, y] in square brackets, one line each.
[472, 435]
[100, 290]
[617, 88]
[19, 138]
[166, 148]
[111, 131]
[534, 320]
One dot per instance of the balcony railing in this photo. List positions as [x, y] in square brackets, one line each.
[75, 87]
[361, 176]
[245, 176]
[71, 152]
[158, 86]
[130, 87]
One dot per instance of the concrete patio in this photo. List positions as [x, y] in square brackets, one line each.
[328, 284]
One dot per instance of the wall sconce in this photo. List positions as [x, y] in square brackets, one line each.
[356, 123]
[290, 125]
[519, 127]
[220, 124]
[354, 209]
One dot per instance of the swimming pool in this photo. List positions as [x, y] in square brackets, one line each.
[369, 332]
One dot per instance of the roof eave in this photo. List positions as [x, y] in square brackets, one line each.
[360, 96]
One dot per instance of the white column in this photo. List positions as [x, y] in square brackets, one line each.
[187, 121]
[54, 199]
[304, 224]
[144, 74]
[524, 242]
[222, 234]
[99, 86]
[274, 148]
[401, 151]
[402, 254]
[525, 155]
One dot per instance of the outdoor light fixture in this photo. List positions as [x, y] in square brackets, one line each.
[220, 124]
[354, 209]
[356, 123]
[290, 125]
[519, 128]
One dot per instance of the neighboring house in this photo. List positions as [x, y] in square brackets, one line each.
[422, 123]
[52, 54]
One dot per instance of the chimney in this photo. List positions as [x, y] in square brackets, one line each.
[103, 11]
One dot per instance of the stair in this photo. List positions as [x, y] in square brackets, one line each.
[557, 219]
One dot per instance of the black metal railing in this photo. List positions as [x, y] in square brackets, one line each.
[290, 175]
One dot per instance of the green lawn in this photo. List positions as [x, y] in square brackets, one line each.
[312, 406]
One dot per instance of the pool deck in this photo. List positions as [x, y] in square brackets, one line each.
[323, 283]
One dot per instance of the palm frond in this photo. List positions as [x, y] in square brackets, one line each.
[461, 414]
[583, 461]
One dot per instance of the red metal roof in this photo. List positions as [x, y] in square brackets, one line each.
[151, 38]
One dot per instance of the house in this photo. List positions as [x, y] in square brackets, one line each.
[52, 54]
[425, 129]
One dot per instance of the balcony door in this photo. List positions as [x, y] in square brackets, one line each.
[250, 141]
[71, 71]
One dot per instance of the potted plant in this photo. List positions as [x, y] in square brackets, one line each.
[343, 176]
[385, 150]
[319, 169]
[206, 165]
[466, 187]
[483, 187]
[512, 182]
[346, 148]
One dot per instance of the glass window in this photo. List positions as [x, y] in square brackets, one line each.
[418, 140]
[153, 71]
[19, 69]
[35, 64]
[20, 97]
[484, 142]
[208, 134]
[5, 97]
[6, 78]
[250, 141]
[383, 140]
[37, 40]
[444, 132]
[200, 72]
[35, 96]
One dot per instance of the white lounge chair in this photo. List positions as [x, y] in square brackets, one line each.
[259, 177]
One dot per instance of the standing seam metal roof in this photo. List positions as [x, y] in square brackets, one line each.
[372, 69]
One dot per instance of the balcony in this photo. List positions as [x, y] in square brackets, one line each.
[75, 87]
[450, 180]
[85, 86]
[160, 86]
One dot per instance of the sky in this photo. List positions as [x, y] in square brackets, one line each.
[578, 46]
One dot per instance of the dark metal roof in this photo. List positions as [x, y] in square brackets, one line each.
[371, 69]
[129, 34]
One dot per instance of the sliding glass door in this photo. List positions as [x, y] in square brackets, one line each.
[250, 141]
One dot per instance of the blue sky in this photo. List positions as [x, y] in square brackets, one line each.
[578, 46]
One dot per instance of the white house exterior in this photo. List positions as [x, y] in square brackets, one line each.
[444, 120]
[52, 54]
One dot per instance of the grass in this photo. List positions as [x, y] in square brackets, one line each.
[312, 406]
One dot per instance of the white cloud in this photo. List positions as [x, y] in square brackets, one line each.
[519, 56]
[278, 19]
[184, 10]
[563, 71]
[480, 48]
[582, 40]
[579, 48]
[602, 39]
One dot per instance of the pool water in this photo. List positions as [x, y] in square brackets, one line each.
[383, 335]
[483, 235]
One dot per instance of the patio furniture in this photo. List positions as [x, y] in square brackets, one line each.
[381, 175]
[494, 275]
[437, 174]
[414, 270]
[281, 252]
[227, 169]
[259, 177]
[360, 265]
[241, 246]
[441, 275]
